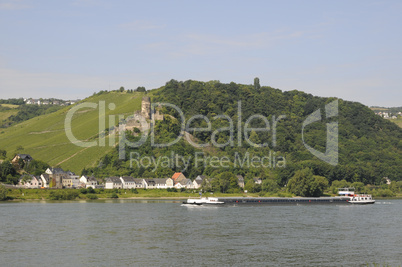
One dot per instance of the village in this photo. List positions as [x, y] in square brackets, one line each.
[57, 178]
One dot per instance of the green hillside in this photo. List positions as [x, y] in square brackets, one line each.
[7, 110]
[45, 139]
[370, 147]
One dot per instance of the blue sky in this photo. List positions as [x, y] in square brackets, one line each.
[70, 49]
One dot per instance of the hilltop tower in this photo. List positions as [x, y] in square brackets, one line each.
[146, 107]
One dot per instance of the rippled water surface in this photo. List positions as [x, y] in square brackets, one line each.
[164, 233]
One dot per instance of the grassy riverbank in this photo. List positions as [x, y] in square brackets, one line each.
[72, 194]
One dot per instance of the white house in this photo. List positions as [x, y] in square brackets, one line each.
[160, 183]
[139, 183]
[92, 182]
[184, 183]
[127, 182]
[86, 182]
[30, 181]
[45, 180]
[198, 181]
[113, 182]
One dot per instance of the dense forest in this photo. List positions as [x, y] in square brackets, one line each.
[369, 146]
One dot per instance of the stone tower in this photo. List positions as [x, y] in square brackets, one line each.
[146, 107]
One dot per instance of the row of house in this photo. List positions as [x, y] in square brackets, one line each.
[388, 115]
[57, 178]
[178, 181]
[31, 101]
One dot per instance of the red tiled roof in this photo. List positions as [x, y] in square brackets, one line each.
[176, 175]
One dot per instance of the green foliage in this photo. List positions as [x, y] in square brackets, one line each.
[305, 184]
[3, 192]
[26, 112]
[252, 187]
[44, 136]
[134, 191]
[3, 154]
[171, 190]
[383, 193]
[83, 191]
[91, 196]
[90, 190]
[63, 194]
[36, 167]
[369, 146]
[114, 195]
[140, 89]
[270, 185]
[7, 173]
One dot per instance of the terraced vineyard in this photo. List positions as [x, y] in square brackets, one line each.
[44, 137]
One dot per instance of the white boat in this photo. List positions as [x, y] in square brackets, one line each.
[356, 198]
[203, 201]
[361, 199]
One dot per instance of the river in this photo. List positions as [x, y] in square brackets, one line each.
[164, 233]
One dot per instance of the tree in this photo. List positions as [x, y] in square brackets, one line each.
[257, 83]
[140, 89]
[252, 187]
[121, 89]
[3, 192]
[7, 169]
[3, 154]
[269, 185]
[305, 184]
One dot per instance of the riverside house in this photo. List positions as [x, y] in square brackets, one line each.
[127, 182]
[113, 182]
[30, 181]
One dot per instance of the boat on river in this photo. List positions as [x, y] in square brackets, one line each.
[203, 201]
[361, 199]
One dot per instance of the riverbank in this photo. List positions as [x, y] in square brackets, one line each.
[17, 194]
[90, 194]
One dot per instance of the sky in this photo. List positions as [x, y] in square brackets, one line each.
[71, 49]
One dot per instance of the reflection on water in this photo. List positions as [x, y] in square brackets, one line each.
[164, 233]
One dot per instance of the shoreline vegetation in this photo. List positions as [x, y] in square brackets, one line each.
[19, 194]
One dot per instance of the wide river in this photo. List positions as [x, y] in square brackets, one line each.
[164, 233]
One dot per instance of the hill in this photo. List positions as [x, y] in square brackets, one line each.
[44, 137]
[370, 147]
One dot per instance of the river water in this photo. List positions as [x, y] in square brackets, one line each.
[164, 233]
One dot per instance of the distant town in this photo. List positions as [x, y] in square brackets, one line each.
[58, 178]
[50, 101]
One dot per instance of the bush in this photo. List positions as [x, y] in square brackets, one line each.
[383, 193]
[91, 196]
[83, 191]
[3, 192]
[63, 195]
[114, 195]
[90, 190]
[134, 191]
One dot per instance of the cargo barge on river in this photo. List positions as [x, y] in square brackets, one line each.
[266, 200]
[284, 200]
